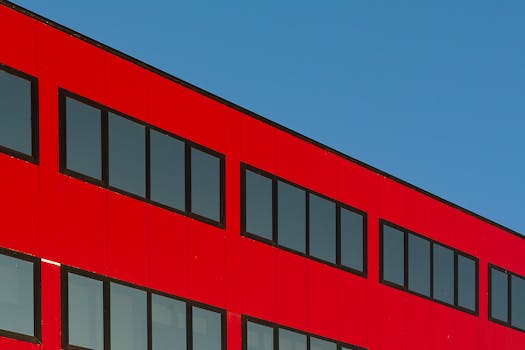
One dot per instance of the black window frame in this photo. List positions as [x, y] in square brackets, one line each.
[106, 281]
[34, 157]
[275, 328]
[104, 181]
[36, 338]
[509, 274]
[404, 287]
[274, 241]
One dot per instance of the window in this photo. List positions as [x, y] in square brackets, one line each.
[291, 217]
[19, 296]
[205, 184]
[106, 148]
[127, 155]
[83, 139]
[506, 298]
[416, 264]
[167, 170]
[288, 216]
[18, 114]
[100, 313]
[262, 335]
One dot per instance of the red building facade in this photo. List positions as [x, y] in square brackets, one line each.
[142, 212]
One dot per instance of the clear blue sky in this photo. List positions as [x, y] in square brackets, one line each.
[430, 91]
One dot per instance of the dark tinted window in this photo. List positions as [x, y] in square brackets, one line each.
[322, 228]
[205, 185]
[83, 139]
[352, 239]
[499, 295]
[466, 283]
[168, 320]
[259, 205]
[127, 155]
[259, 337]
[86, 315]
[167, 170]
[393, 255]
[320, 344]
[289, 340]
[15, 113]
[443, 274]
[207, 327]
[518, 302]
[17, 295]
[291, 217]
[418, 265]
[128, 318]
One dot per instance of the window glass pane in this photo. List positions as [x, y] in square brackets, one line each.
[127, 155]
[168, 323]
[289, 340]
[167, 171]
[291, 226]
[418, 265]
[320, 344]
[15, 113]
[128, 318]
[205, 185]
[85, 309]
[499, 295]
[259, 337]
[83, 139]
[518, 302]
[16, 295]
[466, 283]
[393, 255]
[207, 330]
[322, 228]
[352, 240]
[258, 205]
[443, 274]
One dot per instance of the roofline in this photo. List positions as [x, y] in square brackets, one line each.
[248, 112]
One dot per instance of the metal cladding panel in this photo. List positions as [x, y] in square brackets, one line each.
[57, 217]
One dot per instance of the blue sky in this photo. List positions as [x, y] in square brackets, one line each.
[430, 91]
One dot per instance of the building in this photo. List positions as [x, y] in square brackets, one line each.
[140, 212]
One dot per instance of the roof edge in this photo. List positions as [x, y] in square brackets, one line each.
[250, 113]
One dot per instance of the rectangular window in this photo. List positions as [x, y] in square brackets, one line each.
[167, 170]
[168, 319]
[83, 138]
[467, 282]
[443, 274]
[206, 184]
[128, 315]
[207, 329]
[506, 298]
[19, 296]
[393, 248]
[286, 215]
[86, 315]
[259, 205]
[127, 155]
[499, 295]
[98, 310]
[18, 114]
[291, 217]
[352, 231]
[114, 151]
[262, 335]
[322, 228]
[418, 265]
[414, 263]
